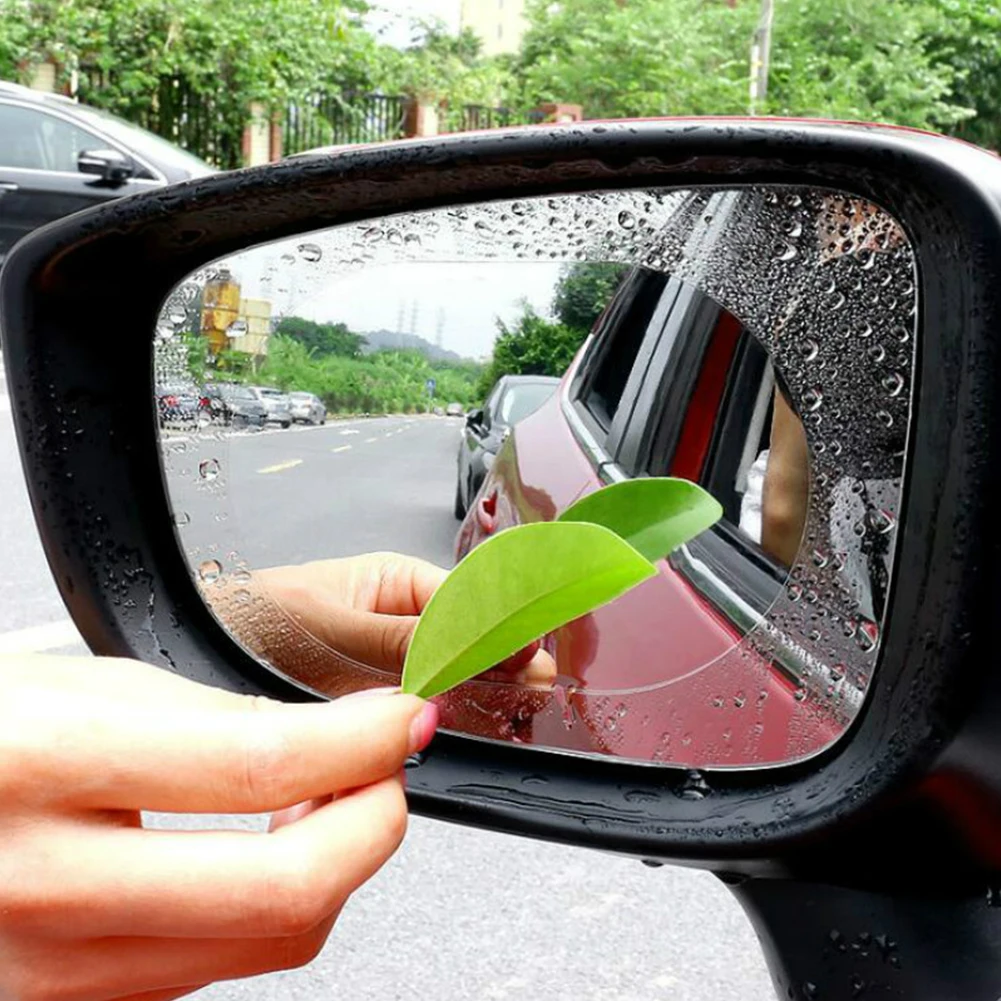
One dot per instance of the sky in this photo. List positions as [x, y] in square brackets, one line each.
[392, 16]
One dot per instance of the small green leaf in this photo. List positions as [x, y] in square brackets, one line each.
[512, 589]
[654, 515]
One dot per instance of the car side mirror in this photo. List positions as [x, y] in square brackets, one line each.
[109, 165]
[475, 418]
[825, 707]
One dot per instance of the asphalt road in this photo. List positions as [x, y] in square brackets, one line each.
[345, 488]
[457, 914]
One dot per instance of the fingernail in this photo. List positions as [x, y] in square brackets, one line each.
[422, 727]
[370, 691]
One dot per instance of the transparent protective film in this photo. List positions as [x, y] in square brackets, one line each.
[344, 413]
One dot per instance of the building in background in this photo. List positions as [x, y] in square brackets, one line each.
[499, 24]
[231, 323]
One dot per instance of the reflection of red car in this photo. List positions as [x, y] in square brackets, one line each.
[669, 384]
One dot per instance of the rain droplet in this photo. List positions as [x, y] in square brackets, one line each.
[867, 636]
[807, 349]
[694, 787]
[812, 399]
[310, 252]
[208, 469]
[182, 518]
[627, 220]
[881, 521]
[885, 418]
[783, 252]
[893, 383]
[393, 237]
[242, 576]
[242, 596]
[876, 353]
[795, 592]
[210, 570]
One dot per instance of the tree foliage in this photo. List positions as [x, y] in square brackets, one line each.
[926, 63]
[383, 382]
[536, 346]
[322, 339]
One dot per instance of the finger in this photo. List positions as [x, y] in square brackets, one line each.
[157, 969]
[265, 756]
[205, 884]
[282, 818]
[406, 584]
[538, 671]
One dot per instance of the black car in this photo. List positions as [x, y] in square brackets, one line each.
[57, 157]
[235, 406]
[512, 399]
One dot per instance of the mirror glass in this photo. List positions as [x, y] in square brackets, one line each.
[415, 384]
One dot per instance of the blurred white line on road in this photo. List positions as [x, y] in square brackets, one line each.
[37, 639]
[350, 431]
[368, 441]
[341, 448]
[279, 467]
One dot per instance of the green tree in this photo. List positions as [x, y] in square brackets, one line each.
[322, 338]
[895, 61]
[583, 292]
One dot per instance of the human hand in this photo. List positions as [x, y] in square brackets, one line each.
[94, 907]
[366, 608]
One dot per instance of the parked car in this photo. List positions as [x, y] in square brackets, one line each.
[181, 405]
[455, 410]
[306, 408]
[58, 156]
[235, 405]
[513, 398]
[277, 405]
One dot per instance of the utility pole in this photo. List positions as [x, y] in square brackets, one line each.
[761, 46]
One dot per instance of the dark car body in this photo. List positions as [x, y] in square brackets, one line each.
[512, 399]
[235, 406]
[58, 157]
[707, 386]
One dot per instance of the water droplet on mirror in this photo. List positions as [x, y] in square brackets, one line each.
[310, 252]
[807, 349]
[800, 694]
[893, 383]
[208, 469]
[867, 636]
[876, 353]
[627, 220]
[210, 571]
[242, 597]
[242, 576]
[694, 787]
[812, 399]
[885, 418]
[182, 518]
[881, 521]
[795, 592]
[783, 252]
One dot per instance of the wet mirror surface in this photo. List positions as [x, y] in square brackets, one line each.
[340, 410]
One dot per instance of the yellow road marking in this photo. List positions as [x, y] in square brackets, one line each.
[342, 448]
[281, 466]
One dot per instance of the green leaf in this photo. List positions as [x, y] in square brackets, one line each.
[654, 515]
[512, 589]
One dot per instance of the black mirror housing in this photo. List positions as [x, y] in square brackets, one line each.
[927, 727]
[475, 418]
[109, 165]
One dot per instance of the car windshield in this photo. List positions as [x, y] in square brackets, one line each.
[519, 401]
[271, 394]
[143, 143]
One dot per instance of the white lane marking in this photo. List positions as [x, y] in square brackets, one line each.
[280, 467]
[342, 448]
[349, 431]
[37, 639]
[368, 441]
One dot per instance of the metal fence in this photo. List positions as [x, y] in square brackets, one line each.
[206, 124]
[334, 119]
